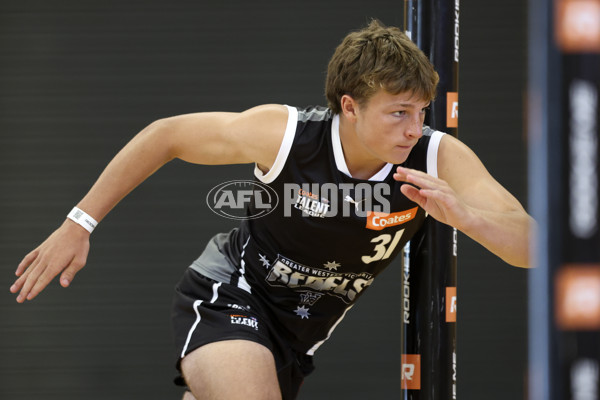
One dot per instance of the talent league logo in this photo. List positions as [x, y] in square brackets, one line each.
[333, 199]
[311, 204]
[231, 199]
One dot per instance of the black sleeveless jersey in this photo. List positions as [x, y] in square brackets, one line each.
[330, 235]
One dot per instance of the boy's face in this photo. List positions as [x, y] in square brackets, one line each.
[389, 125]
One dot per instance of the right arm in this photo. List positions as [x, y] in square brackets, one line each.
[253, 136]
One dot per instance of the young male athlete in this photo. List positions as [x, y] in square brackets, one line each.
[359, 178]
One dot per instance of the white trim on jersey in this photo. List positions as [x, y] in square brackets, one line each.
[242, 282]
[284, 149]
[312, 350]
[197, 304]
[432, 153]
[338, 154]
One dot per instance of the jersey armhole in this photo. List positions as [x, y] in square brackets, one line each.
[284, 149]
[432, 153]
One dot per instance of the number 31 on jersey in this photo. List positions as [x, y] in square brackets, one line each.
[384, 247]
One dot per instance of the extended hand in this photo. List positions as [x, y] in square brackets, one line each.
[433, 195]
[65, 250]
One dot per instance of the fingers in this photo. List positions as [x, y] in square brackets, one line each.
[42, 281]
[416, 177]
[24, 284]
[419, 182]
[27, 260]
[64, 251]
[40, 274]
[18, 285]
[37, 280]
[413, 194]
[69, 273]
[433, 195]
[23, 271]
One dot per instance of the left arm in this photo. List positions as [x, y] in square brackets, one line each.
[468, 198]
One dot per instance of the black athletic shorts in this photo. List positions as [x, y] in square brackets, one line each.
[207, 311]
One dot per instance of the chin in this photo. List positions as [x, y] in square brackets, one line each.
[398, 157]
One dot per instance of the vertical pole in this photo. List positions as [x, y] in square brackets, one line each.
[564, 308]
[429, 263]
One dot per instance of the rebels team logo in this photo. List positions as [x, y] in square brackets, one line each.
[345, 285]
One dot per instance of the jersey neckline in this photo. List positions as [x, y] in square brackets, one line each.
[340, 160]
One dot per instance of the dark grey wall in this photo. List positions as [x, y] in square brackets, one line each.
[79, 78]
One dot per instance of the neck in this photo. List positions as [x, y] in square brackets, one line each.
[360, 163]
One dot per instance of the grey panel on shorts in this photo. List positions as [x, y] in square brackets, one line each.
[212, 263]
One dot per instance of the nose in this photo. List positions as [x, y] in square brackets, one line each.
[415, 128]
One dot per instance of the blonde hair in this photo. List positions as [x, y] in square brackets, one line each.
[378, 57]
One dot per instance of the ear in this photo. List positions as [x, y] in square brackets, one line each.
[349, 107]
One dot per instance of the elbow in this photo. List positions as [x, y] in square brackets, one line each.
[519, 261]
[519, 257]
[521, 264]
[521, 253]
[159, 137]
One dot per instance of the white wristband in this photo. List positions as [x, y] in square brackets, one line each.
[83, 219]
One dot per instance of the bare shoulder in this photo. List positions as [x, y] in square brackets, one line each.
[260, 130]
[251, 136]
[266, 112]
[457, 162]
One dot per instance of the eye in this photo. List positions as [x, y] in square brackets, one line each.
[399, 113]
[425, 109]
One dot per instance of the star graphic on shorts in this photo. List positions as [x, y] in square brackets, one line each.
[302, 312]
[263, 260]
[332, 265]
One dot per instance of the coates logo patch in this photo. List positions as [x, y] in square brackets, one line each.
[411, 371]
[237, 319]
[578, 297]
[577, 26]
[378, 221]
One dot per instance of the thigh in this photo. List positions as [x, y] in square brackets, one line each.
[212, 317]
[231, 369]
[205, 311]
